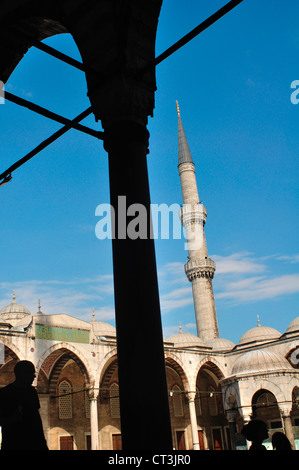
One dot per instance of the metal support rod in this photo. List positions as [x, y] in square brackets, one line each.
[45, 144]
[196, 31]
[49, 114]
[57, 54]
[6, 176]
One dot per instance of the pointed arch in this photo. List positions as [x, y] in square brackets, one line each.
[57, 356]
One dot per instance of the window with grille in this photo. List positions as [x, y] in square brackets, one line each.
[114, 401]
[65, 400]
[178, 409]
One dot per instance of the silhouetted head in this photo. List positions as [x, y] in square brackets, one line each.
[25, 373]
[280, 441]
[255, 431]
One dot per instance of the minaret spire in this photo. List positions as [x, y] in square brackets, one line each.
[184, 151]
[200, 268]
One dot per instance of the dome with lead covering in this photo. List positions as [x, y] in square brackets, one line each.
[293, 326]
[259, 334]
[185, 340]
[14, 310]
[101, 328]
[260, 361]
[16, 314]
[219, 344]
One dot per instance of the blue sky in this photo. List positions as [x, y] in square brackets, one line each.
[233, 84]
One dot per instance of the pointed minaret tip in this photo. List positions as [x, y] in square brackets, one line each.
[178, 108]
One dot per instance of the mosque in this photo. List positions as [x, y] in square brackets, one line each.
[214, 385]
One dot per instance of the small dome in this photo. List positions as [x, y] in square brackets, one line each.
[260, 334]
[220, 344]
[14, 310]
[293, 326]
[185, 340]
[260, 361]
[101, 328]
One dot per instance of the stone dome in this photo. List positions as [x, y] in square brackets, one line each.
[260, 361]
[101, 328]
[220, 343]
[293, 326]
[16, 314]
[259, 334]
[185, 340]
[14, 310]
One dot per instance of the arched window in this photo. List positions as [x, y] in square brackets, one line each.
[114, 401]
[65, 400]
[177, 401]
[212, 400]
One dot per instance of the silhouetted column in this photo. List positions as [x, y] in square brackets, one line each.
[144, 409]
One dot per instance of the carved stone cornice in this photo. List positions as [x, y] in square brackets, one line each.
[200, 268]
[193, 213]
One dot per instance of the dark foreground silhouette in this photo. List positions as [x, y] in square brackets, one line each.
[19, 412]
[280, 442]
[255, 431]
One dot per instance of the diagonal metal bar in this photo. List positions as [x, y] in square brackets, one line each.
[6, 175]
[49, 114]
[57, 54]
[196, 31]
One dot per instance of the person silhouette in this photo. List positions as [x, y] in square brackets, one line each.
[255, 431]
[280, 441]
[19, 412]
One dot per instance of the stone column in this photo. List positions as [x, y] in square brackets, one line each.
[287, 422]
[193, 419]
[94, 426]
[45, 415]
[231, 418]
[246, 412]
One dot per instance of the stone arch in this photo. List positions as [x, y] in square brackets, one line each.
[56, 357]
[9, 346]
[109, 374]
[105, 362]
[266, 384]
[212, 366]
[231, 396]
[173, 361]
[265, 406]
[295, 400]
[209, 389]
[11, 357]
[108, 36]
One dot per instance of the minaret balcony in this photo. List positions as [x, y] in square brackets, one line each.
[193, 213]
[200, 268]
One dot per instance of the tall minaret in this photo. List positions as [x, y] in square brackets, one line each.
[200, 268]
